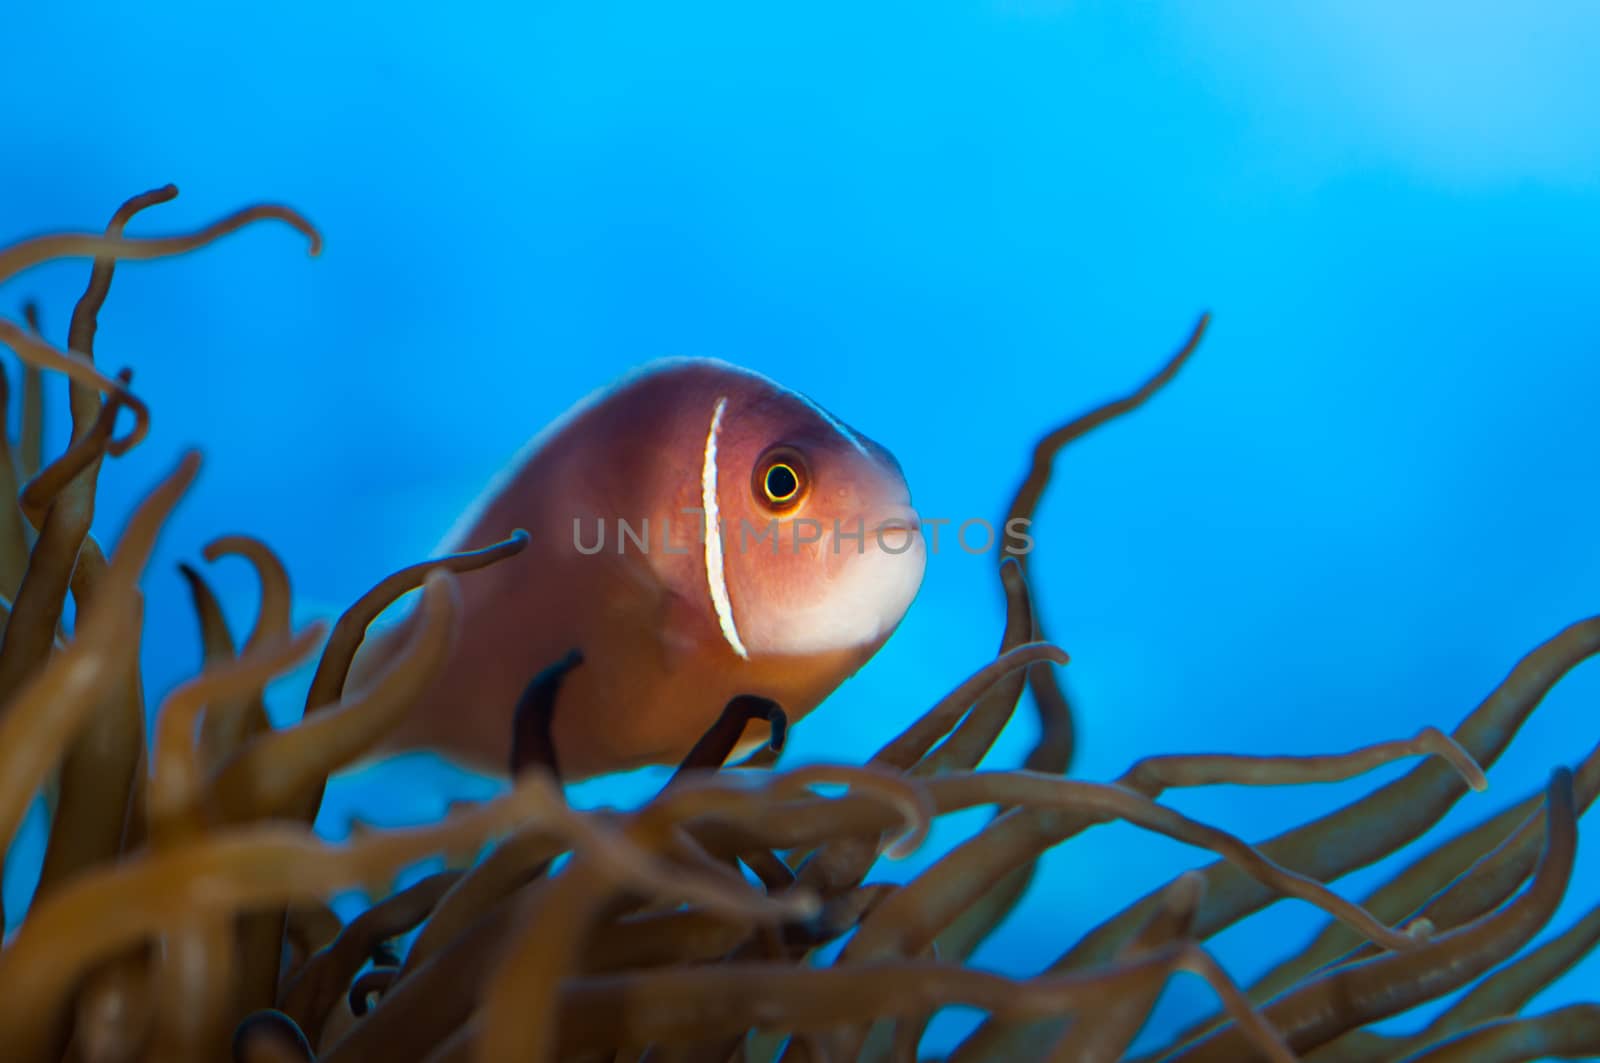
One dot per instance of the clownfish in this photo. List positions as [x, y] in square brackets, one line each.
[696, 532]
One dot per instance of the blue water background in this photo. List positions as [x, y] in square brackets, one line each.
[954, 225]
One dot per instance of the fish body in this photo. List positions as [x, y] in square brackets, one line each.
[697, 532]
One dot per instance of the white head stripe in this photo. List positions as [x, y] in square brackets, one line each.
[716, 576]
[836, 424]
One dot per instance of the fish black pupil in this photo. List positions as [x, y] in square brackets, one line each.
[782, 483]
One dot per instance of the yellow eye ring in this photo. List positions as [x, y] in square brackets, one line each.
[781, 483]
[780, 479]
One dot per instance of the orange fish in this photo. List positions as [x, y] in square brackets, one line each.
[697, 532]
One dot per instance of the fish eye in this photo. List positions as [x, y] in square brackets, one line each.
[782, 482]
[780, 479]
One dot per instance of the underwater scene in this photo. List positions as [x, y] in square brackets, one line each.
[973, 532]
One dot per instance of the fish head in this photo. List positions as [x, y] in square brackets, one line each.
[820, 548]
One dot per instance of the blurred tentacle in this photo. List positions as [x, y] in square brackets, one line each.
[967, 870]
[520, 859]
[1367, 830]
[46, 715]
[26, 254]
[30, 443]
[719, 742]
[269, 1036]
[1352, 996]
[259, 938]
[1403, 894]
[61, 507]
[971, 740]
[533, 744]
[520, 1008]
[914, 743]
[216, 639]
[844, 862]
[14, 540]
[1057, 737]
[326, 976]
[1498, 873]
[674, 1006]
[911, 919]
[80, 370]
[1054, 748]
[224, 732]
[176, 788]
[1105, 1039]
[196, 973]
[1508, 990]
[279, 772]
[327, 685]
[248, 867]
[1572, 1032]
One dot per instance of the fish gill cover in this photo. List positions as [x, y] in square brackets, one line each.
[181, 912]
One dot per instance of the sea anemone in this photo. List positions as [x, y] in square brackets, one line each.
[182, 908]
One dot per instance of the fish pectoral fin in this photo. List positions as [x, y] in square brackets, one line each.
[679, 629]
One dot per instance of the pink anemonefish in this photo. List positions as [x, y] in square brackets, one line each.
[697, 532]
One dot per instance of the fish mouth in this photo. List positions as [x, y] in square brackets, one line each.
[901, 518]
[900, 527]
